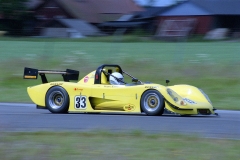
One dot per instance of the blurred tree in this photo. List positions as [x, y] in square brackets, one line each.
[13, 13]
[12, 9]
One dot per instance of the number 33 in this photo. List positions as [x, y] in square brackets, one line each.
[80, 102]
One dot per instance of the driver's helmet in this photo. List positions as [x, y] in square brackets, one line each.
[118, 80]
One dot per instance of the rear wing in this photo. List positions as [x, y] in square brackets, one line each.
[31, 73]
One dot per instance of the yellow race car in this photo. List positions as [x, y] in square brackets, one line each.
[107, 90]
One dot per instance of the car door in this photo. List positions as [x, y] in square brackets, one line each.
[112, 97]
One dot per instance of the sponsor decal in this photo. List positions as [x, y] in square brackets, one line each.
[78, 89]
[30, 77]
[112, 86]
[56, 84]
[129, 107]
[151, 87]
[86, 79]
[189, 101]
[108, 86]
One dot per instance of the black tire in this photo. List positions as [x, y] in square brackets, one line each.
[57, 100]
[152, 103]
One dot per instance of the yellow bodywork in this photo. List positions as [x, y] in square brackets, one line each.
[120, 98]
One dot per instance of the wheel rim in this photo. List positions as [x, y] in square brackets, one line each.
[56, 100]
[151, 102]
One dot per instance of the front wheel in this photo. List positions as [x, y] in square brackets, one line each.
[152, 103]
[57, 100]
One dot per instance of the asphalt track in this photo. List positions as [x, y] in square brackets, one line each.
[16, 117]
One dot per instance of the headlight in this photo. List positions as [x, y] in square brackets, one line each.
[178, 99]
[205, 95]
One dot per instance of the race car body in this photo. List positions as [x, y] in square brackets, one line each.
[94, 93]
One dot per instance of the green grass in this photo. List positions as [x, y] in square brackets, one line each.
[212, 66]
[108, 145]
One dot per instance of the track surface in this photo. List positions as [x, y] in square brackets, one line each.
[25, 117]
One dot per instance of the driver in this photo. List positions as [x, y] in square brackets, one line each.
[116, 78]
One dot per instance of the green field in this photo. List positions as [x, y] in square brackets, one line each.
[211, 66]
[104, 145]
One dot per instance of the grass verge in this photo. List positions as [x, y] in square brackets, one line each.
[106, 145]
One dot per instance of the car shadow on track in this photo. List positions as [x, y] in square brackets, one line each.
[132, 114]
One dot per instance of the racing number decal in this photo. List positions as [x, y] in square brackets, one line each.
[80, 102]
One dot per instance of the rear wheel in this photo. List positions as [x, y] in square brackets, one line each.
[57, 100]
[152, 103]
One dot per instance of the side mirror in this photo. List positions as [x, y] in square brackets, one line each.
[167, 81]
